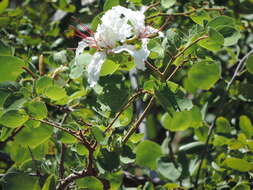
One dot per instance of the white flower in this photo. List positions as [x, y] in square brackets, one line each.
[117, 25]
[93, 69]
[139, 55]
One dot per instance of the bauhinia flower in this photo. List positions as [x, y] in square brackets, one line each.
[117, 26]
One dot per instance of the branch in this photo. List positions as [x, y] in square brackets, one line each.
[176, 69]
[238, 68]
[125, 107]
[58, 126]
[165, 72]
[137, 123]
[210, 131]
[90, 171]
[188, 13]
[63, 150]
[29, 71]
[153, 68]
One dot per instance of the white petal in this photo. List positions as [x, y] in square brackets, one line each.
[139, 55]
[81, 45]
[93, 69]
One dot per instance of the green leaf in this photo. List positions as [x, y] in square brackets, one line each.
[110, 3]
[90, 182]
[99, 135]
[126, 117]
[246, 126]
[221, 21]
[172, 97]
[222, 125]
[108, 160]
[238, 164]
[230, 34]
[178, 122]
[214, 42]
[108, 67]
[200, 16]
[67, 138]
[147, 153]
[37, 110]
[249, 64]
[81, 62]
[3, 5]
[10, 68]
[220, 140]
[157, 51]
[167, 3]
[14, 118]
[42, 84]
[55, 92]
[168, 170]
[19, 181]
[33, 137]
[196, 117]
[50, 183]
[204, 74]
[5, 50]
[242, 186]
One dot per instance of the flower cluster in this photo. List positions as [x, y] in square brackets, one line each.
[117, 26]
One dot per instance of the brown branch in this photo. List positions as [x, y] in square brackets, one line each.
[153, 68]
[153, 5]
[29, 71]
[63, 149]
[186, 14]
[90, 171]
[176, 69]
[137, 123]
[62, 159]
[166, 70]
[58, 126]
[125, 107]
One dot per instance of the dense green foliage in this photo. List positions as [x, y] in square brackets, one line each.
[56, 132]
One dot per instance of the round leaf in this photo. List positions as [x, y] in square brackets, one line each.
[90, 183]
[249, 64]
[147, 153]
[14, 118]
[55, 92]
[33, 137]
[37, 110]
[204, 75]
[10, 68]
[238, 164]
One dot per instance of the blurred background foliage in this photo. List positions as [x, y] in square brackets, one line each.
[38, 32]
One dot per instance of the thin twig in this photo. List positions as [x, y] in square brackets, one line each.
[238, 68]
[153, 5]
[125, 107]
[176, 69]
[62, 159]
[153, 68]
[58, 126]
[166, 70]
[63, 150]
[188, 13]
[137, 123]
[34, 163]
[29, 71]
